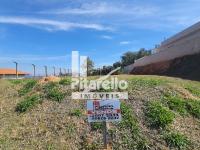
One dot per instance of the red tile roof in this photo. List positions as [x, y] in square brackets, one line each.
[11, 72]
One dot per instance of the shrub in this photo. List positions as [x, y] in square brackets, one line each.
[76, 112]
[27, 87]
[177, 140]
[193, 107]
[158, 115]
[65, 81]
[28, 103]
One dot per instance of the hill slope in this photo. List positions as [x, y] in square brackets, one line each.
[161, 112]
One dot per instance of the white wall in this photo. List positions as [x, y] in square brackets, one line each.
[187, 45]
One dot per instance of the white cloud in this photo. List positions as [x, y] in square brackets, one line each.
[29, 58]
[107, 37]
[50, 25]
[125, 42]
[105, 8]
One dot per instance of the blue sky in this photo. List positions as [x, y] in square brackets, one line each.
[45, 32]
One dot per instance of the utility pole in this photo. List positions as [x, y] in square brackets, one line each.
[65, 71]
[16, 69]
[100, 71]
[46, 74]
[60, 71]
[68, 72]
[54, 71]
[33, 70]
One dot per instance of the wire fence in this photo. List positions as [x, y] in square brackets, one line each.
[33, 69]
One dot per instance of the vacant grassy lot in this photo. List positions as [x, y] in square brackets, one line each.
[161, 113]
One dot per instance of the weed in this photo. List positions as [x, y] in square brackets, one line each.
[177, 140]
[65, 81]
[158, 115]
[28, 103]
[27, 87]
[76, 112]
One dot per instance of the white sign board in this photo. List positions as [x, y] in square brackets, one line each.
[103, 110]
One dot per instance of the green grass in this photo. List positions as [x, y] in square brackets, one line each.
[129, 122]
[176, 103]
[145, 82]
[176, 140]
[193, 107]
[27, 87]
[16, 81]
[50, 85]
[158, 115]
[96, 126]
[53, 92]
[76, 112]
[28, 103]
[183, 106]
[55, 95]
[195, 90]
[70, 129]
[65, 81]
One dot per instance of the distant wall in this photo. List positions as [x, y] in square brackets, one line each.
[185, 67]
[182, 44]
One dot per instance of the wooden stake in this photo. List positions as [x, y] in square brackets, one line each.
[105, 134]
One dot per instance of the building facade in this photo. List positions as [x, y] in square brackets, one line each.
[11, 74]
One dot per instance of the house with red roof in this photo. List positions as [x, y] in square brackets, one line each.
[11, 73]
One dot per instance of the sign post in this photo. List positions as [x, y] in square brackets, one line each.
[105, 134]
[104, 111]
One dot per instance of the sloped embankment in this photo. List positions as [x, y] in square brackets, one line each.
[186, 67]
[161, 113]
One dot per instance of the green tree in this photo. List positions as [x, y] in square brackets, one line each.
[143, 52]
[117, 64]
[128, 58]
[90, 66]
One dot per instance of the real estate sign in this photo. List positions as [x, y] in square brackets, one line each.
[103, 110]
